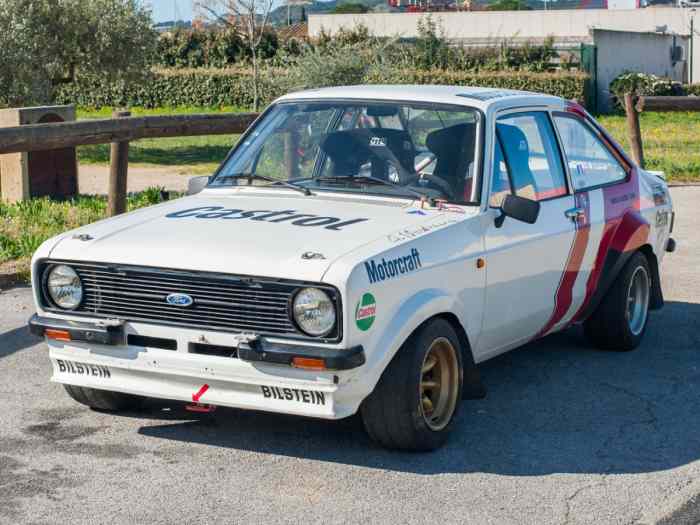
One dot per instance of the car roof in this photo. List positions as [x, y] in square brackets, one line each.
[479, 97]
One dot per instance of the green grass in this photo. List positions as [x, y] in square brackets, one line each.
[25, 225]
[190, 155]
[106, 112]
[671, 142]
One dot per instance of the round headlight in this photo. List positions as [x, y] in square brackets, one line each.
[64, 287]
[314, 311]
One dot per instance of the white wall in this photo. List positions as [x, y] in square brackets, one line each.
[524, 24]
[620, 51]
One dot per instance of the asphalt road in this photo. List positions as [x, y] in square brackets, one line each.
[567, 434]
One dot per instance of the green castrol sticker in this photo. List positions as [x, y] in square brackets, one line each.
[365, 312]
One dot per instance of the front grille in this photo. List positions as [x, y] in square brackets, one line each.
[226, 303]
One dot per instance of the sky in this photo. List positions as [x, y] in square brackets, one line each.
[166, 9]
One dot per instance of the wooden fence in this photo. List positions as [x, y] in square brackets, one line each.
[634, 107]
[119, 131]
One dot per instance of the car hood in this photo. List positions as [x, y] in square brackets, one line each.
[270, 233]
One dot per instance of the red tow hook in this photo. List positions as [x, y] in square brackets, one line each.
[196, 406]
[200, 407]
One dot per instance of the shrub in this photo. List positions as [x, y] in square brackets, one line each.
[232, 87]
[692, 89]
[640, 84]
[174, 87]
[194, 48]
[224, 47]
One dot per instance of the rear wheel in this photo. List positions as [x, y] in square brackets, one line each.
[415, 402]
[103, 399]
[620, 320]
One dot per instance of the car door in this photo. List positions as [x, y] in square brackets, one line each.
[602, 178]
[530, 267]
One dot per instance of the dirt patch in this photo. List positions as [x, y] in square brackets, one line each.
[19, 483]
[93, 180]
[13, 272]
[53, 430]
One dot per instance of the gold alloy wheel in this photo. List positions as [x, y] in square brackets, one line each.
[439, 384]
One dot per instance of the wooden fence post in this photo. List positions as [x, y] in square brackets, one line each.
[633, 130]
[118, 169]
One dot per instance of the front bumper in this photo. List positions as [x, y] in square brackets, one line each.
[256, 377]
[256, 350]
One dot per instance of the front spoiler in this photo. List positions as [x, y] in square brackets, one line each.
[256, 350]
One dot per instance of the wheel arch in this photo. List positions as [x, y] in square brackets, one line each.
[656, 301]
[615, 261]
[412, 315]
[472, 388]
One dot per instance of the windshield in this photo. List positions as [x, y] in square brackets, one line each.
[397, 149]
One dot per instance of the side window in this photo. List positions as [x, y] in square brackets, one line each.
[590, 162]
[531, 153]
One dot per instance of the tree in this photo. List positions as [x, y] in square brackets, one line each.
[46, 43]
[250, 18]
[509, 5]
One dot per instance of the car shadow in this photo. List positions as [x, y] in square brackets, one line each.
[553, 406]
[15, 340]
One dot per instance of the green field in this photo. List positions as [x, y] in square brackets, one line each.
[190, 155]
[671, 143]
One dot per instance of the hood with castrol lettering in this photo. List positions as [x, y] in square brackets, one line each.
[268, 233]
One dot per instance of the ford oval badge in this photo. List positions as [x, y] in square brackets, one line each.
[179, 299]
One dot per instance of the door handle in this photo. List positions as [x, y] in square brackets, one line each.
[574, 213]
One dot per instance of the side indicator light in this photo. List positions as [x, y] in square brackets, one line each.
[308, 363]
[58, 335]
[480, 263]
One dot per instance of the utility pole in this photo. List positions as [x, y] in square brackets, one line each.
[692, 48]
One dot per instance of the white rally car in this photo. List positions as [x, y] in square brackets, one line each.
[362, 249]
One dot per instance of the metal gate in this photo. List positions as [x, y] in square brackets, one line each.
[589, 64]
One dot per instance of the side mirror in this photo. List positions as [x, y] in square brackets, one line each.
[196, 184]
[519, 208]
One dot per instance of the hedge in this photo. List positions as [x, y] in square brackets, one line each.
[568, 85]
[232, 87]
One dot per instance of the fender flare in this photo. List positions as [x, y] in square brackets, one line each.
[631, 235]
[415, 311]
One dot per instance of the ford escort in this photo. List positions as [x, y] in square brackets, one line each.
[362, 250]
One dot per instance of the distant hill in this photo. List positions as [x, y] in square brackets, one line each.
[279, 15]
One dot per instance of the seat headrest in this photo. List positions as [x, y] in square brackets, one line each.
[515, 143]
[354, 147]
[450, 141]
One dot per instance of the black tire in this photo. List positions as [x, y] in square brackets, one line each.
[609, 327]
[103, 399]
[393, 413]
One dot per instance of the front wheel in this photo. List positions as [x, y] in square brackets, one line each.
[103, 399]
[416, 400]
[621, 318]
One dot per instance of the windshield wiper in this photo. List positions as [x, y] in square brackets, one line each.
[251, 176]
[360, 178]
